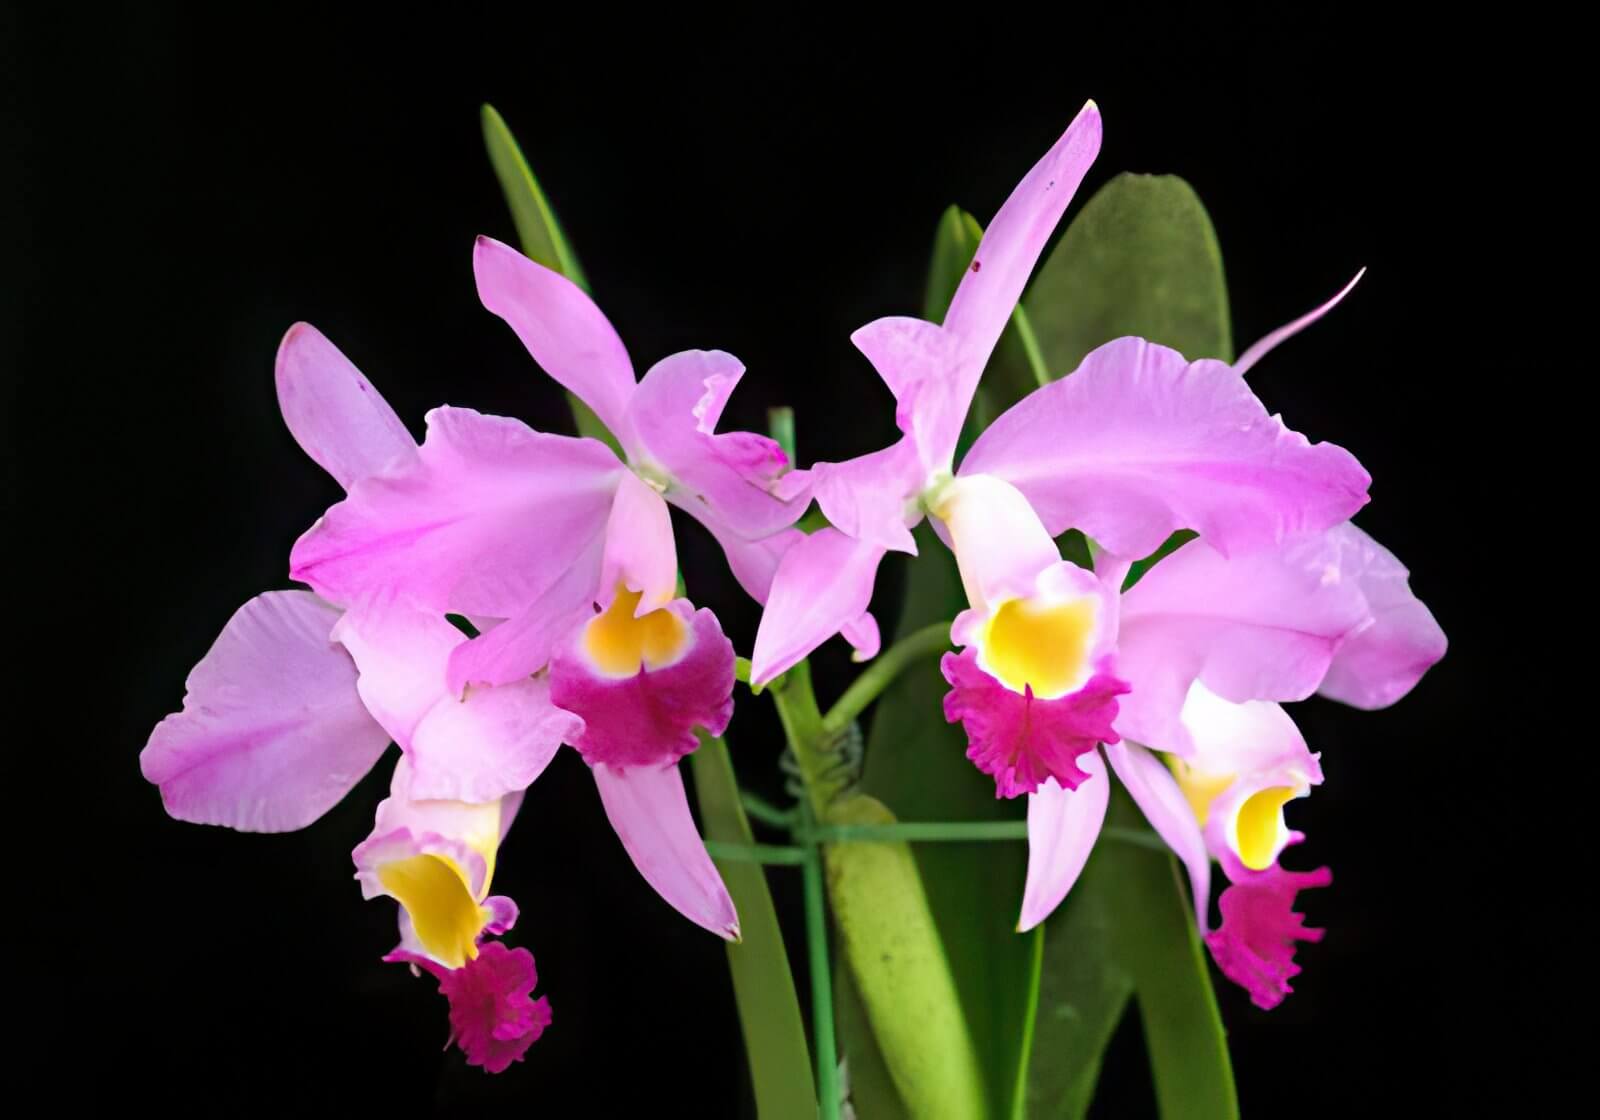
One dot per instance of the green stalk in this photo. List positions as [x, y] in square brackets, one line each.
[881, 673]
[821, 983]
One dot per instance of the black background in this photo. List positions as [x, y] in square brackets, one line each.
[189, 188]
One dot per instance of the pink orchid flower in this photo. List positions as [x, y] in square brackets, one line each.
[296, 701]
[1210, 645]
[565, 554]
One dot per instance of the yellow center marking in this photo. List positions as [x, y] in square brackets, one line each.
[1260, 822]
[434, 891]
[1042, 647]
[618, 643]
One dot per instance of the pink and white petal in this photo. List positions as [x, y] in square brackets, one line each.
[649, 718]
[1262, 625]
[1156, 792]
[406, 825]
[872, 496]
[477, 748]
[650, 812]
[823, 585]
[521, 646]
[272, 733]
[1383, 661]
[640, 551]
[1273, 339]
[1000, 545]
[1257, 738]
[333, 412]
[728, 479]
[1062, 827]
[1139, 443]
[1021, 740]
[566, 333]
[491, 516]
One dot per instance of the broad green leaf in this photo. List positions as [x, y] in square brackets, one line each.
[1142, 259]
[769, 1008]
[541, 237]
[1125, 929]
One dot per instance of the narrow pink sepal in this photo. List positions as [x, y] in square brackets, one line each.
[1062, 828]
[822, 586]
[649, 810]
[1273, 339]
[1156, 792]
[493, 1017]
[1255, 944]
[649, 719]
[1021, 740]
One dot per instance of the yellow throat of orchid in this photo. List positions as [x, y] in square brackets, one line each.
[1258, 829]
[437, 896]
[618, 644]
[1045, 647]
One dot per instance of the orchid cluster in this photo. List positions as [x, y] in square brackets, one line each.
[494, 592]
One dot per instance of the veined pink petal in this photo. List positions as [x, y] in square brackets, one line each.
[640, 551]
[475, 748]
[1383, 661]
[823, 585]
[490, 517]
[1266, 345]
[648, 718]
[272, 733]
[1260, 625]
[1156, 792]
[334, 413]
[1021, 740]
[726, 479]
[493, 1017]
[566, 333]
[1139, 443]
[1255, 945]
[1062, 827]
[650, 811]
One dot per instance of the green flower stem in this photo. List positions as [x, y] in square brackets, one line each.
[779, 854]
[808, 737]
[882, 672]
[823, 1045]
[766, 812]
[793, 855]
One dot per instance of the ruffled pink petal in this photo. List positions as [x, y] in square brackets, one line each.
[1382, 662]
[490, 516]
[493, 1015]
[1062, 827]
[272, 733]
[334, 413]
[649, 809]
[566, 333]
[1262, 625]
[1156, 792]
[823, 585]
[1139, 443]
[640, 551]
[1021, 740]
[649, 719]
[474, 748]
[1255, 944]
[726, 479]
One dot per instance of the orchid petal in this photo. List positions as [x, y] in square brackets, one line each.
[1382, 662]
[1255, 945]
[864, 637]
[1273, 339]
[823, 585]
[272, 733]
[566, 333]
[1062, 827]
[493, 1017]
[333, 412]
[725, 479]
[999, 542]
[649, 809]
[490, 517]
[640, 551]
[1264, 625]
[868, 497]
[477, 748]
[755, 563]
[1139, 443]
[1158, 796]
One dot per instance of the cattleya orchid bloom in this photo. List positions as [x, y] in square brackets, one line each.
[564, 555]
[294, 704]
[1210, 645]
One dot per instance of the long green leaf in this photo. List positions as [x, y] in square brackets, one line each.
[541, 237]
[1141, 258]
[763, 986]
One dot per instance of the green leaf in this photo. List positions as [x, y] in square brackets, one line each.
[1126, 928]
[541, 238]
[769, 1008]
[1142, 259]
[871, 1089]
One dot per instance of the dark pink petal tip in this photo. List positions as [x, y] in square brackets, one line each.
[493, 1015]
[1255, 944]
[1019, 739]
